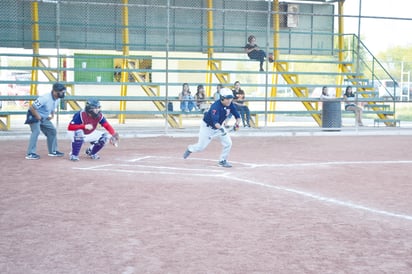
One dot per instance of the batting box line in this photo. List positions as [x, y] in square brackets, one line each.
[155, 171]
[254, 165]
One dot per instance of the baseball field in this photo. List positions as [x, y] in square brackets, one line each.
[289, 204]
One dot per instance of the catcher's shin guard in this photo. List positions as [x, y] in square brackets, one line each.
[97, 146]
[77, 142]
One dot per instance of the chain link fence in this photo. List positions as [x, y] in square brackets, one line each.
[160, 44]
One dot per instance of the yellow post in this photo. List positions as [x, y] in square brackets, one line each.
[36, 38]
[210, 45]
[276, 28]
[124, 75]
[340, 49]
[273, 92]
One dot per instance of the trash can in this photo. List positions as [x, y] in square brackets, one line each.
[331, 115]
[170, 106]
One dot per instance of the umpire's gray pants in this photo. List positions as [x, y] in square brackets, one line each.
[48, 129]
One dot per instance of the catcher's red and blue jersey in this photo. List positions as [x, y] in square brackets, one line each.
[218, 113]
[81, 118]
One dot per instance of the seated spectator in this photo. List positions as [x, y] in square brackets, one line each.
[254, 52]
[187, 102]
[325, 94]
[240, 104]
[351, 105]
[200, 97]
[216, 96]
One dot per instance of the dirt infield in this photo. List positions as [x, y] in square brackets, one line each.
[289, 205]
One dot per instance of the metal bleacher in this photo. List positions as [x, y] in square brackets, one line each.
[213, 56]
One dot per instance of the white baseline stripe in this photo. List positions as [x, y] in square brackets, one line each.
[391, 162]
[325, 199]
[232, 178]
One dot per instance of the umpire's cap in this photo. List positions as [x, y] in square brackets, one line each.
[59, 87]
[226, 93]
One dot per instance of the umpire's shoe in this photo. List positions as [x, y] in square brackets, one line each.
[186, 154]
[32, 156]
[224, 163]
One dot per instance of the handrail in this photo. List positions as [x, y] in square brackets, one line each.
[372, 67]
[176, 98]
[331, 73]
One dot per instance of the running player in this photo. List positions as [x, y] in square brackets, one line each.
[212, 122]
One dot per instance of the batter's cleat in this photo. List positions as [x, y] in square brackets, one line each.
[32, 156]
[94, 156]
[74, 158]
[224, 163]
[56, 154]
[186, 154]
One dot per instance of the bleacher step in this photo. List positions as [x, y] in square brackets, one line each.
[387, 122]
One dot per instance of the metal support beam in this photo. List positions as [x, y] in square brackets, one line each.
[275, 77]
[341, 56]
[124, 75]
[210, 44]
[36, 38]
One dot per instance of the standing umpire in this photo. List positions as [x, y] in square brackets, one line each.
[39, 117]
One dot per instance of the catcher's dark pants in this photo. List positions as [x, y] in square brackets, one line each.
[48, 129]
[95, 137]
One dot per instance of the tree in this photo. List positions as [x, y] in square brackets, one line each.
[393, 58]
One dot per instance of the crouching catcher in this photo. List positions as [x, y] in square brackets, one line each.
[82, 128]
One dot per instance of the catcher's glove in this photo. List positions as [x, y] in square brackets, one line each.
[114, 140]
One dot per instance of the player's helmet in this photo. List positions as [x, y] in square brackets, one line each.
[226, 93]
[91, 106]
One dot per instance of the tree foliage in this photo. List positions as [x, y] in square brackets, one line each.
[394, 58]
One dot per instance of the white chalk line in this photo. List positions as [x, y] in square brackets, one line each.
[94, 167]
[230, 176]
[337, 163]
[218, 174]
[254, 165]
[325, 199]
[140, 158]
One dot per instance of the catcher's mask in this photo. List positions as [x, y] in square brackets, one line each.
[93, 107]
